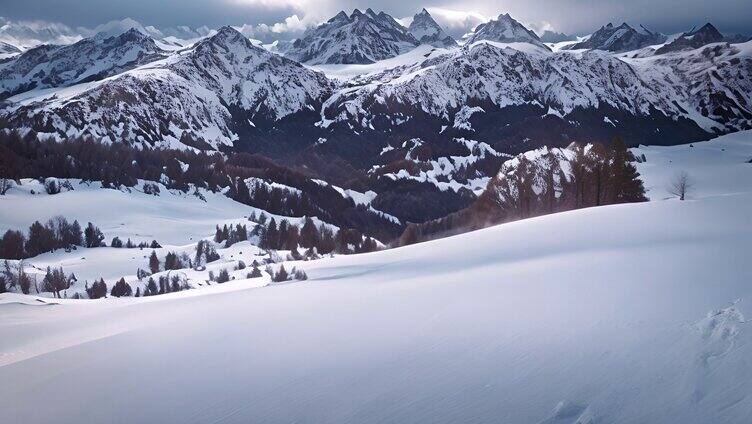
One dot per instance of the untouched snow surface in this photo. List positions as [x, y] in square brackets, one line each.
[619, 314]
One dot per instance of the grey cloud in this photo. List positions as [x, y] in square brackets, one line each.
[571, 16]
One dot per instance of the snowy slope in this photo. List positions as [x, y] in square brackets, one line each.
[362, 37]
[7, 49]
[505, 75]
[717, 167]
[712, 83]
[427, 31]
[87, 60]
[173, 217]
[191, 91]
[504, 29]
[620, 39]
[627, 313]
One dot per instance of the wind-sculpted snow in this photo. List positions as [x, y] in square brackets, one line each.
[619, 314]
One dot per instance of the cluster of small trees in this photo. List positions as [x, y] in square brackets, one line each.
[13, 277]
[97, 290]
[57, 233]
[172, 261]
[55, 281]
[165, 284]
[205, 253]
[120, 165]
[231, 235]
[595, 176]
[117, 243]
[282, 275]
[320, 239]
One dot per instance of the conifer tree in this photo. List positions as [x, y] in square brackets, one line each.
[93, 236]
[154, 262]
[121, 289]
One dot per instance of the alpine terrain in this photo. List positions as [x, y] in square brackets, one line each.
[211, 215]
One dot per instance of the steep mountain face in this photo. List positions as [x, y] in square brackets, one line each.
[358, 38]
[279, 46]
[6, 48]
[222, 86]
[713, 84]
[504, 29]
[620, 39]
[500, 95]
[555, 37]
[693, 39]
[90, 59]
[427, 31]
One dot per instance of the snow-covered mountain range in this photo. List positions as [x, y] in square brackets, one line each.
[193, 92]
[362, 37]
[362, 83]
[90, 59]
[427, 31]
[504, 29]
[619, 39]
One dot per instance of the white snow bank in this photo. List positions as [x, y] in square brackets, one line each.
[625, 313]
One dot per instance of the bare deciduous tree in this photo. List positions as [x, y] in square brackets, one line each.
[681, 185]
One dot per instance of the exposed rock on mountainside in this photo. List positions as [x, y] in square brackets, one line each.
[504, 29]
[90, 59]
[555, 37]
[207, 93]
[427, 31]
[693, 39]
[620, 39]
[358, 38]
[6, 48]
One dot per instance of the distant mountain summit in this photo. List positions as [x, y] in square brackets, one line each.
[504, 29]
[88, 60]
[620, 39]
[555, 37]
[7, 48]
[427, 31]
[693, 39]
[359, 38]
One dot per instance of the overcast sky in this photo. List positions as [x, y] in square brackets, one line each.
[570, 16]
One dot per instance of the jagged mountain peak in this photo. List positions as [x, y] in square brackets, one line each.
[709, 29]
[361, 37]
[549, 36]
[229, 35]
[425, 29]
[87, 60]
[504, 29]
[620, 39]
[693, 39]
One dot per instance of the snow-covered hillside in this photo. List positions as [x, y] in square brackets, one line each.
[625, 313]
